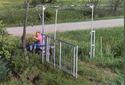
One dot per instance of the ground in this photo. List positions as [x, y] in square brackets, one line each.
[105, 69]
[100, 70]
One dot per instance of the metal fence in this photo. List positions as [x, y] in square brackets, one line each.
[61, 54]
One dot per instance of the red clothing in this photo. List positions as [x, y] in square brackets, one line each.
[39, 38]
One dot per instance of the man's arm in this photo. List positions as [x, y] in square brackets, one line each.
[36, 38]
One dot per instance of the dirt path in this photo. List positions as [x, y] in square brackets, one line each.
[17, 31]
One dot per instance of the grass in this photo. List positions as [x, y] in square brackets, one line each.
[12, 13]
[76, 2]
[4, 4]
[112, 41]
[105, 70]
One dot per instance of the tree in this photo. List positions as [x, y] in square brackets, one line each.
[115, 4]
[25, 24]
[26, 3]
[95, 2]
[124, 47]
[35, 2]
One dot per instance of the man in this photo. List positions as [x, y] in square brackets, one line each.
[39, 39]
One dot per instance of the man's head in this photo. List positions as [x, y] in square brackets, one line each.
[38, 33]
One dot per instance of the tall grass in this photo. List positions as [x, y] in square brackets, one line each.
[111, 45]
[105, 70]
[12, 13]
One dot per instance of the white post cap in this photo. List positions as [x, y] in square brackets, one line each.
[44, 8]
[91, 6]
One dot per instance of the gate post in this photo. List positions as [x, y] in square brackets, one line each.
[54, 61]
[76, 61]
[44, 49]
[47, 49]
[43, 54]
[60, 56]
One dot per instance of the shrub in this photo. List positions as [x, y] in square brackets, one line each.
[117, 50]
[35, 2]
[7, 48]
[4, 70]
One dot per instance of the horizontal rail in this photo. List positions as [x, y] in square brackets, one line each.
[58, 40]
[66, 43]
[63, 55]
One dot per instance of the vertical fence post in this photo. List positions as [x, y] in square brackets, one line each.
[47, 49]
[46, 45]
[101, 46]
[60, 56]
[94, 43]
[44, 48]
[42, 55]
[54, 61]
[91, 45]
[76, 61]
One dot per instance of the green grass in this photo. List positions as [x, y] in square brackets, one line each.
[4, 4]
[76, 2]
[105, 70]
[12, 13]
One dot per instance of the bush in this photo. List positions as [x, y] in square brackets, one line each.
[7, 48]
[35, 2]
[117, 50]
[4, 70]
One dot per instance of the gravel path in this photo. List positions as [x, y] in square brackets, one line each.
[17, 31]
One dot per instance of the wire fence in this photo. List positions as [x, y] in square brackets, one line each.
[61, 54]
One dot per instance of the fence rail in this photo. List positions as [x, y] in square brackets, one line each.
[61, 54]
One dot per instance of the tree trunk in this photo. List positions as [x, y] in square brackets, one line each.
[115, 7]
[25, 24]
[124, 46]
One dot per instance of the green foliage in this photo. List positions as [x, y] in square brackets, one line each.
[35, 2]
[2, 30]
[111, 45]
[3, 40]
[30, 40]
[19, 62]
[101, 70]
[7, 48]
[4, 70]
[13, 13]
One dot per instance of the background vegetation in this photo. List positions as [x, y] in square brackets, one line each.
[15, 68]
[103, 69]
[12, 11]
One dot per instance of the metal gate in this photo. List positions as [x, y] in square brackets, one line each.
[61, 54]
